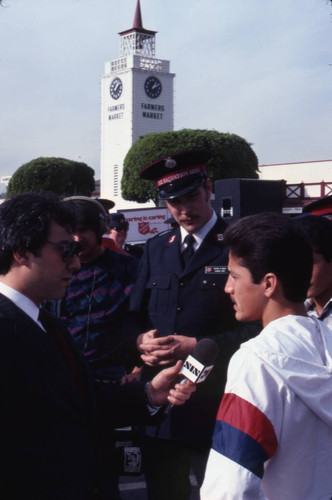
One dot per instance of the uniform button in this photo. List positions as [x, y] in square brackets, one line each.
[179, 309]
[181, 284]
[154, 284]
[204, 282]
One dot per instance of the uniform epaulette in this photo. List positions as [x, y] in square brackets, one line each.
[161, 233]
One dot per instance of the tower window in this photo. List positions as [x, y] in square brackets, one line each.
[116, 181]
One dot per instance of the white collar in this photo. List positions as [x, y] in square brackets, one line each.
[202, 232]
[21, 301]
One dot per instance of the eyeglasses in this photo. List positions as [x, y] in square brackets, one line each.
[69, 248]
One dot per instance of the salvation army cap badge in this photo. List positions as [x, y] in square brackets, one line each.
[170, 162]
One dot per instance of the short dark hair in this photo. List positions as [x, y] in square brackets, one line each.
[25, 222]
[89, 213]
[271, 242]
[319, 232]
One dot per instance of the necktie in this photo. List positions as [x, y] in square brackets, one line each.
[64, 348]
[188, 252]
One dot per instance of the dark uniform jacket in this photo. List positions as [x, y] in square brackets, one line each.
[190, 302]
[48, 439]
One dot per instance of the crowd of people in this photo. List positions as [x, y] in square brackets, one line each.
[94, 335]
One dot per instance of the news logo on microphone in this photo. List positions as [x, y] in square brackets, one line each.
[196, 367]
[194, 370]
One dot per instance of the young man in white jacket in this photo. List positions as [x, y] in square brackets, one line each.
[273, 435]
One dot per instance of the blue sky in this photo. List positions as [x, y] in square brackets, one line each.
[261, 69]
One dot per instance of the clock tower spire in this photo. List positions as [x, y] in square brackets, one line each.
[137, 99]
[137, 40]
[138, 17]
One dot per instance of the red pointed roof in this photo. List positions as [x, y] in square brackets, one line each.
[138, 17]
[138, 24]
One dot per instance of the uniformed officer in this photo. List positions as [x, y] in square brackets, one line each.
[178, 299]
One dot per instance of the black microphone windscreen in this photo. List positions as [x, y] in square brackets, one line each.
[206, 351]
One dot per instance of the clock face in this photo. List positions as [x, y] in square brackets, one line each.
[116, 88]
[152, 87]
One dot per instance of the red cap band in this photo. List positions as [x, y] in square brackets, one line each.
[179, 174]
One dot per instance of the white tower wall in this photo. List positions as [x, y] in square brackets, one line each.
[130, 112]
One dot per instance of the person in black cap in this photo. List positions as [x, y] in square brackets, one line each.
[322, 206]
[178, 299]
[118, 232]
[118, 228]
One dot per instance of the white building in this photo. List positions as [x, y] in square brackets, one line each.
[136, 99]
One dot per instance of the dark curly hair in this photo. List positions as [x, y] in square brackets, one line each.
[25, 222]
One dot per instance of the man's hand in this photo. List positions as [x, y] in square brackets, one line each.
[183, 346]
[165, 387]
[134, 376]
[146, 337]
[160, 351]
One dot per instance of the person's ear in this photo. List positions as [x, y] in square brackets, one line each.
[269, 282]
[21, 255]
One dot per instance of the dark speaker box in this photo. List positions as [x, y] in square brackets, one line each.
[235, 198]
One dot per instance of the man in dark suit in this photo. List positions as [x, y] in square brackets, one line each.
[179, 298]
[48, 410]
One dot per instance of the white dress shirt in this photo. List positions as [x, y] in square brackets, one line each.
[200, 234]
[21, 301]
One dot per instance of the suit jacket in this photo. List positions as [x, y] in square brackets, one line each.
[48, 434]
[190, 302]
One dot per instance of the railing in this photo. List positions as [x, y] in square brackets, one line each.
[306, 191]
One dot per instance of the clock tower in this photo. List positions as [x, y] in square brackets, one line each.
[136, 99]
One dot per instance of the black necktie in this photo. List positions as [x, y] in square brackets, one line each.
[188, 252]
[64, 348]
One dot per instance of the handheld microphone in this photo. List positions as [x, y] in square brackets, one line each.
[197, 366]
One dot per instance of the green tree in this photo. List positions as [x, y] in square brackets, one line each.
[62, 176]
[232, 157]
